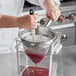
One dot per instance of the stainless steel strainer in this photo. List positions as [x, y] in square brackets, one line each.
[44, 39]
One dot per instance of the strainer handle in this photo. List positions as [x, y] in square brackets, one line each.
[31, 12]
[48, 23]
[33, 31]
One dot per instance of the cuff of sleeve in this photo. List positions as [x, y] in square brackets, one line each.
[41, 4]
[33, 2]
[57, 3]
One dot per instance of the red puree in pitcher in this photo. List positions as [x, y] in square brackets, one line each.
[36, 58]
[30, 71]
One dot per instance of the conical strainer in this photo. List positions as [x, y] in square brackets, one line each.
[44, 39]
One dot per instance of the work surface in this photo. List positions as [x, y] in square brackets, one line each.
[8, 63]
[67, 65]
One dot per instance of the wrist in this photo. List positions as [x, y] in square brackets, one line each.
[48, 3]
[18, 22]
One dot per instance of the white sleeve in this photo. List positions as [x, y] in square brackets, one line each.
[12, 7]
[37, 2]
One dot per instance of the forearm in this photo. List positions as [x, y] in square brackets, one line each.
[8, 21]
[48, 3]
[51, 1]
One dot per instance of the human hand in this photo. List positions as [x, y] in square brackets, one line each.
[52, 11]
[28, 21]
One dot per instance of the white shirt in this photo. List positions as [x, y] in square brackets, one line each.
[14, 8]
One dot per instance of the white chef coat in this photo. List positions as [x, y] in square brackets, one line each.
[14, 8]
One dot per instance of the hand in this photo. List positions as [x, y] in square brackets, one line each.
[52, 11]
[28, 21]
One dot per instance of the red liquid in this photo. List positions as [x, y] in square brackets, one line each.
[35, 66]
[30, 71]
[35, 57]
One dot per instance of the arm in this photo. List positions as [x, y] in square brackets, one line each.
[52, 11]
[41, 2]
[8, 21]
[26, 21]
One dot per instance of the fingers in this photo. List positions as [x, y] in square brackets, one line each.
[32, 22]
[35, 16]
[27, 21]
[53, 14]
[57, 14]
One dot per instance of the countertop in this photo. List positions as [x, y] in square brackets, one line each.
[67, 65]
[8, 64]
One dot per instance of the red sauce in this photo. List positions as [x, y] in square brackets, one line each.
[36, 58]
[30, 71]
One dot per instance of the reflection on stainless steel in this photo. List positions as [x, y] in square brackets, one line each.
[63, 38]
[68, 32]
[47, 24]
